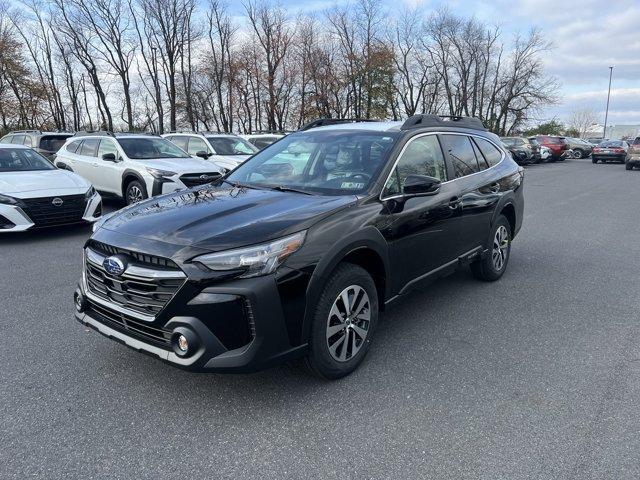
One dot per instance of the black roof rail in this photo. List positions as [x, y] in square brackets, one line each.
[321, 122]
[97, 133]
[428, 120]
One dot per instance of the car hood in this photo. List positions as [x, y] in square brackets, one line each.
[47, 181]
[219, 218]
[181, 165]
[229, 161]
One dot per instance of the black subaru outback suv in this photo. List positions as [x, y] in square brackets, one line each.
[296, 252]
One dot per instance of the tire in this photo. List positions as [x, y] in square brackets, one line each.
[578, 153]
[490, 268]
[628, 166]
[594, 160]
[135, 192]
[326, 357]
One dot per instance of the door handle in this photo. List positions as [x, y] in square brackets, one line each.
[455, 202]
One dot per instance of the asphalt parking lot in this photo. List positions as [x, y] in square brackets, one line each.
[535, 376]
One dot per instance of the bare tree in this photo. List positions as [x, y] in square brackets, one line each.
[582, 120]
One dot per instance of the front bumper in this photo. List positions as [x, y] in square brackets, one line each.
[13, 218]
[237, 325]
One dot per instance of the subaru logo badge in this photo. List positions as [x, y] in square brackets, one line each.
[204, 177]
[114, 266]
[57, 202]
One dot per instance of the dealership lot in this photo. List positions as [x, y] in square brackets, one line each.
[535, 376]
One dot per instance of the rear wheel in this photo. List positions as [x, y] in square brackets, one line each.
[578, 153]
[135, 192]
[594, 160]
[492, 266]
[344, 322]
[628, 166]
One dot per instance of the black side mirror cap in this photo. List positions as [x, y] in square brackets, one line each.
[421, 185]
[109, 157]
[202, 154]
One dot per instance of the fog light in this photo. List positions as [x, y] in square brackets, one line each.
[183, 344]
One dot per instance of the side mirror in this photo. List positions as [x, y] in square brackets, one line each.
[109, 157]
[421, 185]
[202, 154]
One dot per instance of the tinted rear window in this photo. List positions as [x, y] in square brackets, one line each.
[52, 143]
[612, 143]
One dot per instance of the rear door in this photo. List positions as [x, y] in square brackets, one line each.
[477, 190]
[85, 161]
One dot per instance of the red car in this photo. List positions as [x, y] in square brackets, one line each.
[557, 145]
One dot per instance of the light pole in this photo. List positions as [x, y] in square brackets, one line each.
[606, 114]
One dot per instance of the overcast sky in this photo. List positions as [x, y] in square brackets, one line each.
[588, 36]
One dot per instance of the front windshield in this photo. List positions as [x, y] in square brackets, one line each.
[330, 162]
[149, 148]
[231, 146]
[22, 160]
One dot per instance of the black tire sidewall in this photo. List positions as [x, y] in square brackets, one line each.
[319, 358]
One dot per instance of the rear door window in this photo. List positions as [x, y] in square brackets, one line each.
[73, 146]
[89, 147]
[490, 152]
[461, 155]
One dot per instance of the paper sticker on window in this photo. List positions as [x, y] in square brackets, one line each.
[352, 185]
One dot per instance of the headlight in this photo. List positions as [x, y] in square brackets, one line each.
[8, 200]
[257, 260]
[90, 193]
[160, 173]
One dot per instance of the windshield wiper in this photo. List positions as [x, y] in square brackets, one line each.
[284, 188]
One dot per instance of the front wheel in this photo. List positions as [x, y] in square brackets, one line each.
[344, 322]
[594, 160]
[135, 192]
[492, 266]
[578, 154]
[628, 166]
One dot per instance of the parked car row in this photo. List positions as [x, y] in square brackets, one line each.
[541, 148]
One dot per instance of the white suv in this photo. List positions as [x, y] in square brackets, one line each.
[224, 149]
[133, 166]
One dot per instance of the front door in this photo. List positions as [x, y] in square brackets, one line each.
[418, 229]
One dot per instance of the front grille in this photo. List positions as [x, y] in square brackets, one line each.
[43, 212]
[138, 290]
[141, 258]
[123, 323]
[194, 179]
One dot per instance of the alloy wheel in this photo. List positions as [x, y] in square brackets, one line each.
[500, 247]
[135, 194]
[348, 323]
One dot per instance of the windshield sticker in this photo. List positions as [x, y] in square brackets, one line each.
[352, 185]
